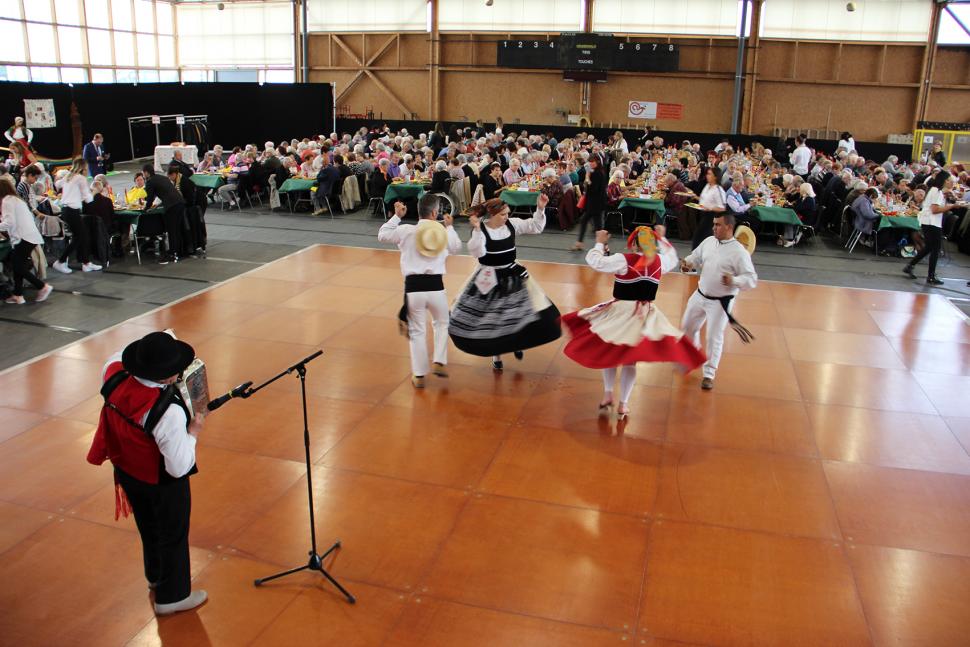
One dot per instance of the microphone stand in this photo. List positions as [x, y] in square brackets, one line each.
[316, 560]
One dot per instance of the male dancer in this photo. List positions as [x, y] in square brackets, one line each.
[726, 268]
[424, 248]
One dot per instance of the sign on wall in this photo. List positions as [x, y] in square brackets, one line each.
[654, 110]
[39, 113]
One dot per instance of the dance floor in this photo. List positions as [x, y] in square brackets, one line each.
[820, 495]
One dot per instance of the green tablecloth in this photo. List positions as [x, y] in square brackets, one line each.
[780, 215]
[646, 204]
[899, 222]
[5, 248]
[402, 191]
[296, 184]
[520, 198]
[210, 181]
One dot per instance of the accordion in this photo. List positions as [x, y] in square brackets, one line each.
[194, 388]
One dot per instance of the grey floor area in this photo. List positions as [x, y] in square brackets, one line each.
[84, 303]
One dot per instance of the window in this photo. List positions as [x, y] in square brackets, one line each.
[39, 10]
[146, 50]
[14, 73]
[242, 35]
[10, 10]
[144, 16]
[126, 76]
[102, 76]
[124, 48]
[12, 41]
[121, 14]
[280, 76]
[372, 15]
[701, 17]
[96, 12]
[44, 75]
[40, 39]
[74, 75]
[194, 76]
[163, 14]
[68, 12]
[99, 47]
[72, 47]
[166, 50]
[889, 20]
[532, 15]
[148, 76]
[951, 33]
[168, 76]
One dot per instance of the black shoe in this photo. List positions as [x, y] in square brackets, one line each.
[933, 281]
[497, 365]
[908, 271]
[518, 355]
[164, 260]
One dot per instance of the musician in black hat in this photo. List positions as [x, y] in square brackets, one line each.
[146, 433]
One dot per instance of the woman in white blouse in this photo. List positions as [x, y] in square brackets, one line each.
[17, 222]
[713, 200]
[931, 224]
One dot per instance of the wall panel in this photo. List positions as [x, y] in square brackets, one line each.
[707, 102]
[528, 97]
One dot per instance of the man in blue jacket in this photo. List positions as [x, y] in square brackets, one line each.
[94, 155]
[327, 179]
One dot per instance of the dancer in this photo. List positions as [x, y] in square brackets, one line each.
[726, 268]
[424, 248]
[629, 328]
[501, 309]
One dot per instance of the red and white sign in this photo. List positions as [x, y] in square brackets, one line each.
[654, 110]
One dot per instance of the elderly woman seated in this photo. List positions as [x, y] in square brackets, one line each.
[551, 188]
[441, 179]
[807, 210]
[864, 216]
[614, 190]
[206, 164]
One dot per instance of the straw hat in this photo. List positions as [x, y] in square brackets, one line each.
[430, 238]
[744, 235]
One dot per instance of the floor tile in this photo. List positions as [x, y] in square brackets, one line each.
[948, 393]
[452, 449]
[860, 386]
[927, 327]
[887, 438]
[525, 557]
[347, 375]
[769, 341]
[372, 278]
[436, 623]
[234, 613]
[193, 316]
[841, 348]
[19, 522]
[933, 356]
[292, 325]
[748, 490]
[235, 359]
[100, 346]
[391, 530]
[739, 422]
[299, 270]
[902, 508]
[573, 405]
[765, 377]
[600, 472]
[718, 586]
[16, 421]
[336, 298]
[843, 320]
[961, 429]
[319, 616]
[913, 598]
[50, 385]
[256, 290]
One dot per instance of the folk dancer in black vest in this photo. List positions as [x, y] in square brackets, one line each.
[501, 309]
[146, 434]
[629, 328]
[424, 248]
[726, 269]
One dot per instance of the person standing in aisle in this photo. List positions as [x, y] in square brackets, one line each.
[17, 221]
[75, 191]
[159, 186]
[931, 224]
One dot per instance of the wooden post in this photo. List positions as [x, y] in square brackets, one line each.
[929, 62]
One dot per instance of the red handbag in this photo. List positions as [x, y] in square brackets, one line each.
[582, 202]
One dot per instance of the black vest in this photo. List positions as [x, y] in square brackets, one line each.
[641, 290]
[499, 252]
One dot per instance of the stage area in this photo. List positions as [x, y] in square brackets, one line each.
[819, 496]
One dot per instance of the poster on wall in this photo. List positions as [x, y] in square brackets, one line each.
[654, 110]
[39, 113]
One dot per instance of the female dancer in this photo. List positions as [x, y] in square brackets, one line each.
[501, 309]
[629, 328]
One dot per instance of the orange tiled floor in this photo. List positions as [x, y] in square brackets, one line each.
[819, 496]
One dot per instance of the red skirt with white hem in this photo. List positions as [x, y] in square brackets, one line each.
[617, 333]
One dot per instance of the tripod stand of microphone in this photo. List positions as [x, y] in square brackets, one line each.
[315, 562]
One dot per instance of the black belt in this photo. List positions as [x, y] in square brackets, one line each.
[417, 283]
[725, 301]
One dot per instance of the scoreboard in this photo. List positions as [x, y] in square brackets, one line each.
[588, 51]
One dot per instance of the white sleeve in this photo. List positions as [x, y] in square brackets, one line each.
[85, 190]
[696, 258]
[174, 441]
[746, 278]
[533, 225]
[599, 261]
[390, 231]
[668, 256]
[7, 214]
[476, 244]
[454, 242]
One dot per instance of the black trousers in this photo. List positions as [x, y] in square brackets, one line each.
[162, 516]
[79, 244]
[596, 215]
[705, 229]
[174, 220]
[23, 268]
[933, 240]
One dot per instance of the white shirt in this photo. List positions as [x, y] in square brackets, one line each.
[714, 258]
[926, 215]
[533, 225]
[412, 261]
[847, 144]
[713, 197]
[18, 222]
[800, 158]
[175, 443]
[616, 263]
[74, 191]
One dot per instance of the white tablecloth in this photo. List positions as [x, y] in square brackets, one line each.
[164, 155]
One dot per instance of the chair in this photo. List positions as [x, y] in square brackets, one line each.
[479, 196]
[349, 194]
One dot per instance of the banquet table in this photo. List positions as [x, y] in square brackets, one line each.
[644, 204]
[518, 198]
[142, 223]
[208, 180]
[778, 215]
[403, 191]
[297, 184]
[164, 155]
[899, 222]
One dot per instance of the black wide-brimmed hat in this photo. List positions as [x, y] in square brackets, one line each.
[157, 356]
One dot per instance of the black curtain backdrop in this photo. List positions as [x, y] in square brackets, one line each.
[877, 151]
[239, 113]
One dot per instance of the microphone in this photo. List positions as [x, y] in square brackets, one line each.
[237, 392]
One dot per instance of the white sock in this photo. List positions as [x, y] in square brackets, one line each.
[628, 378]
[609, 378]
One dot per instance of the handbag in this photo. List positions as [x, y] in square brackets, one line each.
[582, 202]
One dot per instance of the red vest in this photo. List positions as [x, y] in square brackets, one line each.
[636, 284]
[129, 448]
